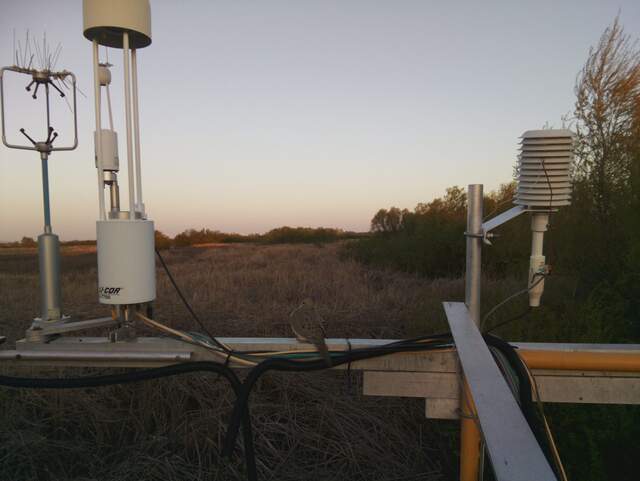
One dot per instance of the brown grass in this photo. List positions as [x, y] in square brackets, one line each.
[306, 426]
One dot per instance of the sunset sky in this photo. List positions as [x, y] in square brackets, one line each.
[304, 113]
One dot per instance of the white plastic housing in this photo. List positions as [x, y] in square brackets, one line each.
[543, 169]
[106, 21]
[126, 261]
[537, 261]
[110, 160]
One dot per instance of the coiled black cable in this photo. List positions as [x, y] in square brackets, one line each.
[281, 364]
[145, 375]
[241, 418]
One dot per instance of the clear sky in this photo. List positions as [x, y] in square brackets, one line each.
[317, 113]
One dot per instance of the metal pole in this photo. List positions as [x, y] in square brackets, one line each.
[45, 192]
[114, 196]
[96, 90]
[48, 256]
[46, 90]
[473, 278]
[136, 130]
[470, 435]
[127, 110]
[106, 87]
[50, 290]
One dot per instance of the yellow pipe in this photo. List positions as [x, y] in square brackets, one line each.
[470, 437]
[580, 360]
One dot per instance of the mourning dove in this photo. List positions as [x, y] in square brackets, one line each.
[308, 327]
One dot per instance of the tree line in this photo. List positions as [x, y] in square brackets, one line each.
[280, 235]
[194, 237]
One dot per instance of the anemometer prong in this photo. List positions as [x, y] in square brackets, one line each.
[28, 87]
[27, 136]
[35, 91]
[49, 138]
[56, 87]
[42, 147]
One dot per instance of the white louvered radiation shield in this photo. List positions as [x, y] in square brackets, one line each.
[543, 169]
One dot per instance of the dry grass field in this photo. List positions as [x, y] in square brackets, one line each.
[306, 426]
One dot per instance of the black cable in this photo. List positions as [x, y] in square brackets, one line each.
[145, 375]
[509, 321]
[187, 305]
[516, 294]
[281, 364]
[241, 413]
[527, 405]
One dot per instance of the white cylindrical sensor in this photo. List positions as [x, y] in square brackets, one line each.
[126, 261]
[110, 160]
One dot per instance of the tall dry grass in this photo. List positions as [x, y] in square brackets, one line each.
[306, 426]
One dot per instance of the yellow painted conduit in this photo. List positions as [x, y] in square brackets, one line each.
[580, 360]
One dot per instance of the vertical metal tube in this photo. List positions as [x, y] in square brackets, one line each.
[96, 92]
[50, 292]
[127, 109]
[470, 436]
[46, 94]
[136, 129]
[106, 87]
[473, 277]
[114, 196]
[45, 192]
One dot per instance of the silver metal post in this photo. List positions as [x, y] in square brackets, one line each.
[50, 291]
[45, 192]
[48, 257]
[127, 114]
[473, 277]
[136, 130]
[96, 90]
[114, 196]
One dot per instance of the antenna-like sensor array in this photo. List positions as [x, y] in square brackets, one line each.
[43, 75]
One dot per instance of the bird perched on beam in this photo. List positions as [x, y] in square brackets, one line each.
[308, 327]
